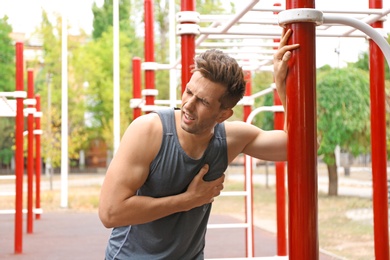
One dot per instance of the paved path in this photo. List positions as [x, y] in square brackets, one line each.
[71, 235]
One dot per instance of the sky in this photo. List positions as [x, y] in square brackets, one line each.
[25, 15]
[349, 48]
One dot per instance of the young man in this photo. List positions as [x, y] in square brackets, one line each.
[170, 165]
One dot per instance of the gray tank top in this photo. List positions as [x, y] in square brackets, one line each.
[180, 235]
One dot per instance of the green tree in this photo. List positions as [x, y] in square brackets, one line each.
[93, 64]
[7, 141]
[48, 82]
[363, 63]
[102, 17]
[7, 56]
[343, 116]
[7, 83]
[210, 6]
[49, 76]
[263, 80]
[130, 42]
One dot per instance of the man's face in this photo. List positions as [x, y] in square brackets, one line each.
[201, 109]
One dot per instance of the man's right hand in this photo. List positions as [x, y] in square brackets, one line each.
[203, 192]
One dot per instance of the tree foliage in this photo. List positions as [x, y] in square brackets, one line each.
[97, 69]
[210, 6]
[49, 76]
[7, 83]
[363, 63]
[343, 111]
[263, 80]
[49, 85]
[7, 56]
[343, 116]
[7, 141]
[103, 17]
[93, 64]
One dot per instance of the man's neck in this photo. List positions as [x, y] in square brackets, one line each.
[194, 145]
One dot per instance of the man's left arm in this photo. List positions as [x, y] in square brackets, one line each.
[281, 58]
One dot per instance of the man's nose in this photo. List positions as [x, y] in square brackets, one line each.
[190, 102]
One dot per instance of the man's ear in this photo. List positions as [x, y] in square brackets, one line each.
[224, 115]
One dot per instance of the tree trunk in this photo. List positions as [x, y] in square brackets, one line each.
[333, 178]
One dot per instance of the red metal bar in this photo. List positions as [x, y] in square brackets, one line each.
[281, 236]
[30, 152]
[19, 160]
[280, 188]
[187, 48]
[302, 138]
[136, 85]
[149, 48]
[248, 92]
[247, 110]
[378, 145]
[38, 158]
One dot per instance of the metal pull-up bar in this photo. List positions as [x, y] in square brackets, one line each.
[318, 17]
[303, 211]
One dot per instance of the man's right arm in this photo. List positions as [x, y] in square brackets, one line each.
[128, 171]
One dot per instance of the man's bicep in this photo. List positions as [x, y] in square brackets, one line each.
[126, 176]
[123, 179]
[130, 166]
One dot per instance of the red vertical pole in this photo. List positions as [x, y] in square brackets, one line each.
[136, 85]
[38, 158]
[248, 92]
[280, 190]
[378, 145]
[19, 160]
[302, 138]
[187, 47]
[281, 235]
[149, 49]
[30, 150]
[247, 111]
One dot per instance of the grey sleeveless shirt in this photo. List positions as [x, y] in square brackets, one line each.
[180, 235]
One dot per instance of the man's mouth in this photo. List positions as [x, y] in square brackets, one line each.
[187, 116]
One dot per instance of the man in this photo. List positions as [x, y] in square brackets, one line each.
[170, 165]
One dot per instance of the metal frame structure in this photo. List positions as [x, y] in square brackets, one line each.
[16, 108]
[251, 36]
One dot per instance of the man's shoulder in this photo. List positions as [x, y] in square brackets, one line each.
[164, 111]
[147, 118]
[147, 123]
